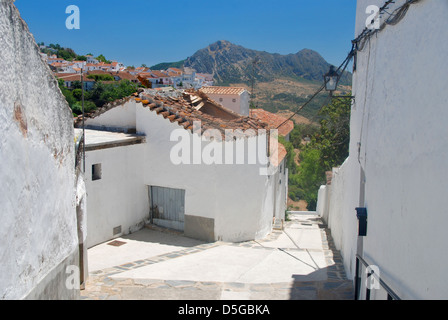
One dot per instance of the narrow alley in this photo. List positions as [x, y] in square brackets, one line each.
[297, 263]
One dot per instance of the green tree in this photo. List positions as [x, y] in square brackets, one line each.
[77, 84]
[77, 94]
[102, 58]
[310, 176]
[89, 106]
[328, 148]
[101, 77]
[333, 138]
[290, 156]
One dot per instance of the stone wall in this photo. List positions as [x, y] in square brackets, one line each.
[37, 172]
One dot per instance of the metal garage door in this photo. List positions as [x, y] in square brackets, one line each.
[167, 207]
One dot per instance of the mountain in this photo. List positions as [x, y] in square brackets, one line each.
[166, 65]
[279, 83]
[230, 63]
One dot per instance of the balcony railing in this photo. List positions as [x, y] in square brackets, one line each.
[391, 295]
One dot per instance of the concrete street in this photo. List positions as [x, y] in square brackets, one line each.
[297, 263]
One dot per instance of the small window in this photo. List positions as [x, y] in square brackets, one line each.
[96, 171]
[220, 99]
[233, 100]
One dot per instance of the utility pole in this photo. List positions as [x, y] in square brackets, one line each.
[83, 126]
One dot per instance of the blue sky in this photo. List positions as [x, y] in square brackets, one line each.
[153, 31]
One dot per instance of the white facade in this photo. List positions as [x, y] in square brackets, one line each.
[235, 202]
[114, 198]
[398, 155]
[91, 60]
[38, 204]
[238, 103]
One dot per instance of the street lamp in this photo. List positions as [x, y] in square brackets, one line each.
[331, 80]
[331, 83]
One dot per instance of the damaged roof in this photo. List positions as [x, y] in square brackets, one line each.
[185, 107]
[274, 121]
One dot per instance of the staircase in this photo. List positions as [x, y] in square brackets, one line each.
[278, 224]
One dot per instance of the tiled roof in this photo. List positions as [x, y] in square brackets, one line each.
[188, 106]
[175, 70]
[159, 74]
[223, 90]
[121, 74]
[73, 77]
[125, 75]
[276, 159]
[273, 120]
[146, 75]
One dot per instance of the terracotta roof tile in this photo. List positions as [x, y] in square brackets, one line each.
[186, 107]
[73, 77]
[223, 90]
[273, 121]
[190, 105]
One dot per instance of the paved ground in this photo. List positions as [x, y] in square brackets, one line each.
[298, 263]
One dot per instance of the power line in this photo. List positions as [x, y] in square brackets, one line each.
[358, 44]
[343, 66]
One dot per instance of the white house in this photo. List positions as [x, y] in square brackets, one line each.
[233, 98]
[396, 169]
[206, 184]
[91, 60]
[41, 200]
[70, 78]
[204, 79]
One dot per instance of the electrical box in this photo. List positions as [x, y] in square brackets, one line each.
[361, 214]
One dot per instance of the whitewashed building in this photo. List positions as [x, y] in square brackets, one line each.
[160, 181]
[41, 199]
[396, 169]
[233, 98]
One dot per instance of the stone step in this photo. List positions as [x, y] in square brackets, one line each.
[278, 224]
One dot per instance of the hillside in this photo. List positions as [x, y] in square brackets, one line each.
[233, 63]
[280, 83]
[166, 65]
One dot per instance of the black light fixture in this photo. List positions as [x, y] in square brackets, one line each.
[331, 80]
[331, 83]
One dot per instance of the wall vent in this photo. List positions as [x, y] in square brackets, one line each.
[117, 230]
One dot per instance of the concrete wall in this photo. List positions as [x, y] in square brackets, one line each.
[37, 198]
[240, 106]
[222, 201]
[120, 197]
[399, 121]
[121, 117]
[236, 197]
[336, 205]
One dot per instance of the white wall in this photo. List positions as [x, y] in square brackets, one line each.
[236, 196]
[37, 200]
[120, 197]
[119, 117]
[240, 106]
[399, 119]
